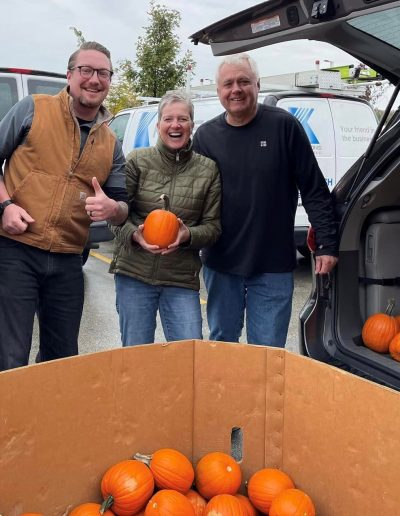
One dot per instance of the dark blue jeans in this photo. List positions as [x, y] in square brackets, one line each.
[49, 284]
[266, 299]
[137, 305]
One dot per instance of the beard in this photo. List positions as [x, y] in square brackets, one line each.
[85, 102]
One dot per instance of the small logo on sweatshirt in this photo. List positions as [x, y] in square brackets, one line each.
[263, 143]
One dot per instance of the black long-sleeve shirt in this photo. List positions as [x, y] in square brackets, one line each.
[263, 166]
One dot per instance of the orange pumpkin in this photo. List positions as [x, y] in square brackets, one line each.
[31, 514]
[224, 505]
[292, 502]
[171, 469]
[247, 506]
[126, 487]
[397, 317]
[394, 347]
[161, 226]
[265, 484]
[89, 509]
[198, 502]
[379, 329]
[217, 473]
[169, 502]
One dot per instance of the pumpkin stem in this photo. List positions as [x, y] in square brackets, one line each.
[165, 198]
[143, 458]
[106, 504]
[390, 306]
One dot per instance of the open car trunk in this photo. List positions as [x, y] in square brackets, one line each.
[341, 23]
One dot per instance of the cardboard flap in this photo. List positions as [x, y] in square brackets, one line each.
[65, 422]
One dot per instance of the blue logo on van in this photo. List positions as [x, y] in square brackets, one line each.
[142, 134]
[303, 115]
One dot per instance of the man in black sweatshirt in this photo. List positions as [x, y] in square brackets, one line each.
[265, 160]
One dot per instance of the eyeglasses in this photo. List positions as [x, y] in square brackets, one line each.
[87, 72]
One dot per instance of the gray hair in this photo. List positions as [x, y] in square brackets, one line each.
[175, 96]
[88, 45]
[238, 59]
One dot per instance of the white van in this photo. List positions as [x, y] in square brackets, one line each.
[16, 83]
[339, 129]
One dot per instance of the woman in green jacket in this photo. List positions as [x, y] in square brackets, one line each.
[149, 279]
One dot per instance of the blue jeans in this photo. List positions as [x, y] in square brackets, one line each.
[266, 298]
[49, 284]
[137, 305]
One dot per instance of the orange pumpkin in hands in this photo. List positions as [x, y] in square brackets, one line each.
[161, 226]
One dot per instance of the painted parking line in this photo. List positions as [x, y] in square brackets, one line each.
[105, 259]
[100, 256]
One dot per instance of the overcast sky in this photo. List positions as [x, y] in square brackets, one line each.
[36, 34]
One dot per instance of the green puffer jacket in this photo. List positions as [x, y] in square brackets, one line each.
[192, 184]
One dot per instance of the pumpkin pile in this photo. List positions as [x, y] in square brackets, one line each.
[166, 484]
[381, 332]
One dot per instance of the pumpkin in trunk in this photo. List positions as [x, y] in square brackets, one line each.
[161, 226]
[394, 347]
[217, 473]
[379, 329]
[126, 487]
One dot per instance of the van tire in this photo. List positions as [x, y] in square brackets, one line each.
[304, 251]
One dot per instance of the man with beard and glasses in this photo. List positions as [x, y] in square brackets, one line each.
[63, 169]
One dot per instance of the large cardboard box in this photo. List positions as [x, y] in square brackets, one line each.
[63, 423]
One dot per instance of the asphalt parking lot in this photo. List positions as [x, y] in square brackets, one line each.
[100, 327]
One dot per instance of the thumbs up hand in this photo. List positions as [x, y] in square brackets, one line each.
[100, 207]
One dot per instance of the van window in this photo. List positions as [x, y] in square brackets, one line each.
[8, 94]
[44, 86]
[118, 125]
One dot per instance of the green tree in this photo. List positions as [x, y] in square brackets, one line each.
[157, 54]
[122, 92]
[79, 36]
